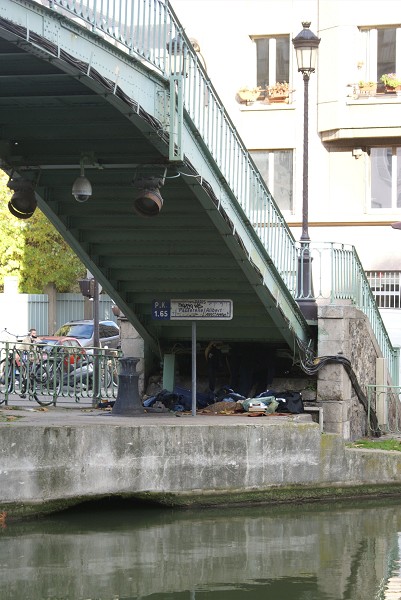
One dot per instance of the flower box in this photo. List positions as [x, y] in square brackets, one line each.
[392, 82]
[248, 95]
[367, 88]
[279, 92]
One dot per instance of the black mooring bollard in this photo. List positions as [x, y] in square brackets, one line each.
[128, 403]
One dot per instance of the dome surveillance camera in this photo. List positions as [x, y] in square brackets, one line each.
[82, 189]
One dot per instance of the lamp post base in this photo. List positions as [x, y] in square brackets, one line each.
[305, 294]
[308, 308]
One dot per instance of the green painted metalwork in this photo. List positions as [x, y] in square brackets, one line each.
[81, 61]
[46, 373]
[338, 275]
[151, 30]
[113, 67]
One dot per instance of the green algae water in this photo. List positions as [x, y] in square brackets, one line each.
[310, 552]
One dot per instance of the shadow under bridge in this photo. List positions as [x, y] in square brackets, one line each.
[130, 108]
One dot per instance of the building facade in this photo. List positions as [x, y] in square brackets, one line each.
[354, 184]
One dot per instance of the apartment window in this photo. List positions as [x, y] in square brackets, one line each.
[385, 170]
[272, 59]
[276, 168]
[385, 286]
[382, 46]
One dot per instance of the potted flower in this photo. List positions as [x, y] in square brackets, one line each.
[367, 88]
[391, 81]
[278, 92]
[248, 95]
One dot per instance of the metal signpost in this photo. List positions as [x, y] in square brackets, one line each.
[192, 310]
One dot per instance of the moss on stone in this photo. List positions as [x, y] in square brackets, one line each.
[234, 498]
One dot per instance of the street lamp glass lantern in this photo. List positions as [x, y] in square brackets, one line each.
[306, 44]
[177, 51]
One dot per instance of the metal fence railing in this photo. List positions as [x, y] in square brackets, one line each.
[46, 373]
[338, 275]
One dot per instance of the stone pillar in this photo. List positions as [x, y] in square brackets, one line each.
[132, 345]
[345, 330]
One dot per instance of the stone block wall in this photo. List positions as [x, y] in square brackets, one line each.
[133, 345]
[345, 330]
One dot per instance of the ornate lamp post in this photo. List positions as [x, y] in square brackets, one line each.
[306, 44]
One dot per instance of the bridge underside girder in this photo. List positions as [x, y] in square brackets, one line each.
[52, 112]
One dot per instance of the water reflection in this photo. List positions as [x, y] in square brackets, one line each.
[313, 553]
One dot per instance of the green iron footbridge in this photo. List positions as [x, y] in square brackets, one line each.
[115, 93]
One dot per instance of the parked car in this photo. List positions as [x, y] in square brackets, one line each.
[70, 348]
[109, 332]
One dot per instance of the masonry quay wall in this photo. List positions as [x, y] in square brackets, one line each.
[202, 461]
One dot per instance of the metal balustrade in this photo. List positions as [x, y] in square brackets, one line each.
[338, 275]
[150, 31]
[44, 374]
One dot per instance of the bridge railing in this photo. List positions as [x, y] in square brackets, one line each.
[338, 275]
[151, 30]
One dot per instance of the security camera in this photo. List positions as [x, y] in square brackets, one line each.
[82, 189]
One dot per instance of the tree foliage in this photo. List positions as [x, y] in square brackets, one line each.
[11, 236]
[34, 251]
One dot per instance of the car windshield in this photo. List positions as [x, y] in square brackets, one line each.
[81, 331]
[48, 345]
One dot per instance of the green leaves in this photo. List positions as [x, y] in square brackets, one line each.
[34, 251]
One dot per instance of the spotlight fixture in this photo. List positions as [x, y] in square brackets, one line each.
[23, 201]
[82, 188]
[148, 202]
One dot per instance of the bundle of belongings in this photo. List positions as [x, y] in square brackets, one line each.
[268, 402]
[279, 402]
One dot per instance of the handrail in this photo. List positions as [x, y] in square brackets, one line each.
[150, 29]
[338, 274]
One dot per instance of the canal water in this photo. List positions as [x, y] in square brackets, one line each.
[314, 552]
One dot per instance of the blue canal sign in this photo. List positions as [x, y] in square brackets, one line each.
[192, 309]
[161, 310]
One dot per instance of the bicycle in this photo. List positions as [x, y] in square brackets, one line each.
[10, 366]
[45, 372]
[21, 373]
[75, 373]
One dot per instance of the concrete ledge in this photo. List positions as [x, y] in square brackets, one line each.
[46, 466]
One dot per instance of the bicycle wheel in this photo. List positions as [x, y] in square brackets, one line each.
[6, 379]
[44, 387]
